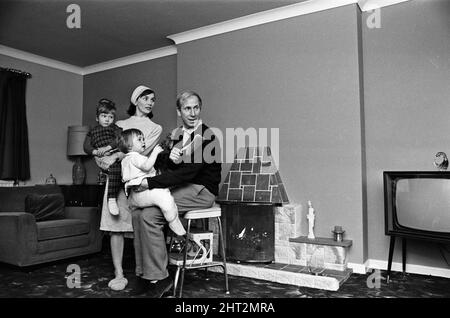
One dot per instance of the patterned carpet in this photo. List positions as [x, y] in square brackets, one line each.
[50, 280]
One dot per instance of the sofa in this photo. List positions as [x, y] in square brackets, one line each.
[38, 226]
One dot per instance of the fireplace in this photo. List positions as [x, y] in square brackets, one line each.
[251, 191]
[247, 240]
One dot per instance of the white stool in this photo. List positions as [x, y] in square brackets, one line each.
[204, 240]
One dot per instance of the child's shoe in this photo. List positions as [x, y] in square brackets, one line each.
[113, 207]
[176, 226]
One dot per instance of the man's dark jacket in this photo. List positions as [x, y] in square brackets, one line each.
[198, 168]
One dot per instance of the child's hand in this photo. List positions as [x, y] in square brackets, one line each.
[157, 150]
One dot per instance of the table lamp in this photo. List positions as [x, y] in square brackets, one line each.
[75, 140]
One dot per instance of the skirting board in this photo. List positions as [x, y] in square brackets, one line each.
[410, 268]
[357, 268]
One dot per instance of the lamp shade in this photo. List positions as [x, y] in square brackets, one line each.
[75, 140]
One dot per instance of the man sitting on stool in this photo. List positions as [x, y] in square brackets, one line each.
[193, 177]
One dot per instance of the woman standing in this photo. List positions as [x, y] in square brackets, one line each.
[120, 226]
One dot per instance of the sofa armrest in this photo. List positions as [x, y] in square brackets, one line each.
[18, 236]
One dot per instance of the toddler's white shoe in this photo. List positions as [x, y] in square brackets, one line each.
[113, 207]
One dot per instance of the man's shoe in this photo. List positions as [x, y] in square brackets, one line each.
[161, 287]
[142, 286]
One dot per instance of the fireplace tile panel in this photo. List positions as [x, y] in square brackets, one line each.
[277, 175]
[257, 166]
[248, 179]
[283, 194]
[276, 195]
[235, 194]
[246, 166]
[249, 194]
[262, 196]
[235, 180]
[248, 169]
[235, 166]
[273, 180]
[262, 182]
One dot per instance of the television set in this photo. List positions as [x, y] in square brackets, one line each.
[417, 205]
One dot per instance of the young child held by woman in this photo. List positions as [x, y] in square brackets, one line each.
[136, 167]
[100, 141]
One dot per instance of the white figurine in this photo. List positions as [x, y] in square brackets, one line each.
[310, 218]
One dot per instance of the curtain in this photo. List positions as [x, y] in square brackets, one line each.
[14, 152]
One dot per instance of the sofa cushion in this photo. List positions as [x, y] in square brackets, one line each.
[48, 230]
[64, 245]
[45, 207]
[13, 198]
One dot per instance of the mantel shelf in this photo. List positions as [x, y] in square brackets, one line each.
[321, 241]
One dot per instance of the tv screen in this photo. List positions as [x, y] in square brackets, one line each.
[417, 204]
[423, 204]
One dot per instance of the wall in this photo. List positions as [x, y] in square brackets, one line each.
[53, 102]
[406, 96]
[299, 75]
[118, 84]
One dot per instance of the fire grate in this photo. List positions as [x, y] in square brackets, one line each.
[249, 233]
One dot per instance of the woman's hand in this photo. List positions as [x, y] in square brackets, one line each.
[175, 155]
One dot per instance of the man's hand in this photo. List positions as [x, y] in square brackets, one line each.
[175, 155]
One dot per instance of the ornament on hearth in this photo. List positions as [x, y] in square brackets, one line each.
[441, 161]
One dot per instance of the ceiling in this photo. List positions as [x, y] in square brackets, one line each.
[111, 29]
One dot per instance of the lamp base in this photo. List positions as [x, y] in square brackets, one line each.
[78, 172]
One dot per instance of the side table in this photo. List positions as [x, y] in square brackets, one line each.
[83, 194]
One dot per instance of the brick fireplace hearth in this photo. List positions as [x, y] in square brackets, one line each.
[320, 263]
[263, 231]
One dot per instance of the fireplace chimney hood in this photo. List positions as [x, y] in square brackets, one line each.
[253, 179]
